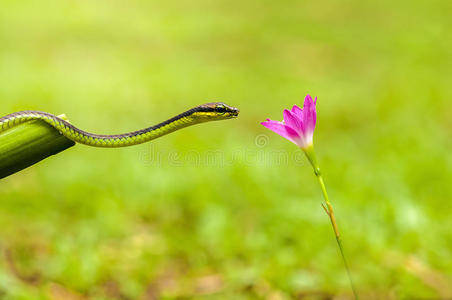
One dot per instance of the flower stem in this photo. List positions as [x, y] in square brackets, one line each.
[330, 212]
[310, 154]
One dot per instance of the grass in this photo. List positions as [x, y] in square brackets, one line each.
[228, 210]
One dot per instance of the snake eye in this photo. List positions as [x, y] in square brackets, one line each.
[220, 109]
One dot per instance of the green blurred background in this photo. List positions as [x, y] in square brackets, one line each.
[229, 210]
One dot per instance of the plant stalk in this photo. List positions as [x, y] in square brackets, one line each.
[310, 154]
[28, 143]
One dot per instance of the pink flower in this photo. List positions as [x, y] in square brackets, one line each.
[298, 125]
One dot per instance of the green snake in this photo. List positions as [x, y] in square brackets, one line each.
[200, 114]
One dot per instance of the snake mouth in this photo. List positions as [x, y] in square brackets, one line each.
[235, 113]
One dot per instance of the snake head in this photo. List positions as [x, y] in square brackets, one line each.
[216, 111]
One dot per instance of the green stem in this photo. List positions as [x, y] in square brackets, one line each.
[27, 144]
[310, 154]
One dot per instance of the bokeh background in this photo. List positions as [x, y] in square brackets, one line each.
[229, 210]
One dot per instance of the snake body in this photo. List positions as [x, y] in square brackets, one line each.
[202, 113]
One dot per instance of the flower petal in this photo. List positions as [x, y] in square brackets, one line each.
[282, 129]
[297, 111]
[309, 115]
[293, 121]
